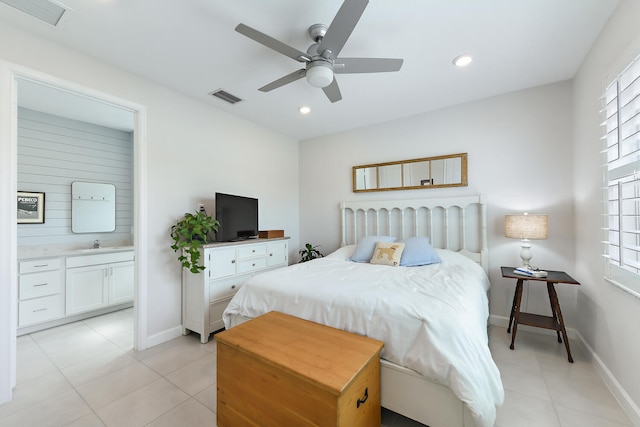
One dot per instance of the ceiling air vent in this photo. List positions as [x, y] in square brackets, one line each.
[43, 10]
[225, 96]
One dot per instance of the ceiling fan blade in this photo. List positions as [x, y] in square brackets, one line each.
[333, 91]
[366, 65]
[342, 26]
[272, 43]
[292, 77]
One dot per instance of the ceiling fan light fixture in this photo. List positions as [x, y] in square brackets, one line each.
[319, 74]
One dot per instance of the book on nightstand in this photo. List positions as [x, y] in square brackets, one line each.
[523, 271]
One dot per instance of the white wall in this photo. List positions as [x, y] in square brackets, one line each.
[519, 147]
[53, 152]
[194, 150]
[608, 317]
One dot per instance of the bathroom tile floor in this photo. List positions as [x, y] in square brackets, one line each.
[86, 374]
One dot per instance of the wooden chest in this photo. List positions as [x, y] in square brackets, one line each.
[278, 370]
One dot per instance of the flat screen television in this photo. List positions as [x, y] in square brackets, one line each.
[238, 217]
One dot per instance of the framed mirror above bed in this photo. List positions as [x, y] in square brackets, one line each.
[416, 174]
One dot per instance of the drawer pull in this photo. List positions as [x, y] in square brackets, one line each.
[233, 261]
[41, 284]
[270, 254]
[253, 265]
[233, 286]
[40, 309]
[364, 399]
[41, 265]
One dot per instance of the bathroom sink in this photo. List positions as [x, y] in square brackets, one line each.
[106, 249]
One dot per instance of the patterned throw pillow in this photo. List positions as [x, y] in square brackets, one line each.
[366, 246]
[387, 253]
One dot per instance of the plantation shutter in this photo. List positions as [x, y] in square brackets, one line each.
[622, 166]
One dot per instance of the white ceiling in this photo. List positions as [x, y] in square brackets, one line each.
[191, 46]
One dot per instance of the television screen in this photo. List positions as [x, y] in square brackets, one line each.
[238, 217]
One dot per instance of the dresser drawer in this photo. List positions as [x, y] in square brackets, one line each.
[39, 310]
[215, 313]
[39, 284]
[39, 265]
[249, 265]
[225, 288]
[251, 251]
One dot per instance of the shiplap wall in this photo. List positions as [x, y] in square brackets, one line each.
[55, 151]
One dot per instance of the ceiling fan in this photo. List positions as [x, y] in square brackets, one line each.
[321, 59]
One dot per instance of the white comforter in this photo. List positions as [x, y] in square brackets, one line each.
[432, 319]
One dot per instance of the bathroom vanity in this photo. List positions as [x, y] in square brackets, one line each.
[69, 285]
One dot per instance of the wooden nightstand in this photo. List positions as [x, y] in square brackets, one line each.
[554, 321]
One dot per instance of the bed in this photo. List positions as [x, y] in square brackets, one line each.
[436, 365]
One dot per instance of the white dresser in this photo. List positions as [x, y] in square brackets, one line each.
[205, 295]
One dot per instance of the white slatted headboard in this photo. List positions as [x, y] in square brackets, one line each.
[456, 223]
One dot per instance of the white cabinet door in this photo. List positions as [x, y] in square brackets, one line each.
[222, 262]
[87, 288]
[277, 253]
[121, 282]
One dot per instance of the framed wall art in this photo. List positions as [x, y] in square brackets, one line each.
[30, 207]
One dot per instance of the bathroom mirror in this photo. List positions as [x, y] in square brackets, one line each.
[428, 172]
[93, 207]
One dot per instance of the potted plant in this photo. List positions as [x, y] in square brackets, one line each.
[189, 234]
[310, 252]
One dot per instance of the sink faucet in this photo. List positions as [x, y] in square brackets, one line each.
[96, 244]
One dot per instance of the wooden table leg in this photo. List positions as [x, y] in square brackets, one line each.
[554, 313]
[516, 311]
[555, 306]
[513, 309]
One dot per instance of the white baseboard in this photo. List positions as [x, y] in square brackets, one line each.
[163, 336]
[628, 405]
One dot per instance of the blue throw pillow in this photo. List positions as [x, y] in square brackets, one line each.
[366, 246]
[418, 251]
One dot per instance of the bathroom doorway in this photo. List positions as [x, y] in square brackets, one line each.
[37, 92]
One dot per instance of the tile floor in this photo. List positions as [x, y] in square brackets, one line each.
[86, 374]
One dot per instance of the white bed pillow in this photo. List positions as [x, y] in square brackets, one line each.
[343, 253]
[366, 246]
[387, 253]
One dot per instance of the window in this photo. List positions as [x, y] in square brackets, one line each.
[622, 178]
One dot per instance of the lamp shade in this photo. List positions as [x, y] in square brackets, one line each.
[319, 74]
[525, 226]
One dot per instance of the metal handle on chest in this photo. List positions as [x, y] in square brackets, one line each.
[364, 399]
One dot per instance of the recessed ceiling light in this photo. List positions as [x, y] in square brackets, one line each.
[462, 60]
[304, 110]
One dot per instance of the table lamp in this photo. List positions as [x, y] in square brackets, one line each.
[526, 227]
